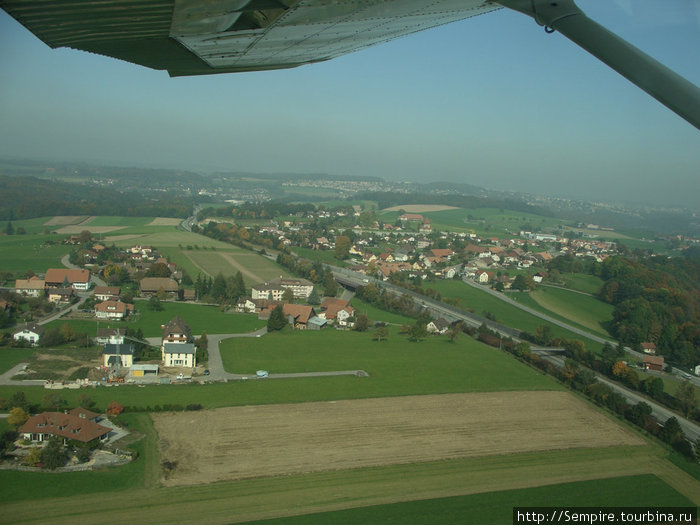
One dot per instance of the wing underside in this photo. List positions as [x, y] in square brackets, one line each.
[194, 37]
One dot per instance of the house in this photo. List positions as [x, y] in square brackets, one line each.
[107, 293]
[275, 288]
[177, 331]
[110, 335]
[28, 332]
[438, 326]
[482, 276]
[112, 310]
[59, 277]
[649, 348]
[32, 287]
[412, 217]
[77, 425]
[153, 285]
[331, 307]
[119, 355]
[539, 276]
[441, 253]
[189, 295]
[653, 362]
[60, 295]
[179, 354]
[298, 315]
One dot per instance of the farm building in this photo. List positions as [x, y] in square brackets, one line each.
[152, 285]
[143, 371]
[60, 277]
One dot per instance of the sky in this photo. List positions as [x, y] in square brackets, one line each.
[492, 101]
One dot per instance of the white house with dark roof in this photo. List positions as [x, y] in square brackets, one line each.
[30, 333]
[119, 355]
[179, 354]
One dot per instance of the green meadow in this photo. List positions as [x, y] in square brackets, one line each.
[583, 311]
[480, 301]
[31, 252]
[378, 315]
[9, 357]
[395, 365]
[582, 282]
[496, 508]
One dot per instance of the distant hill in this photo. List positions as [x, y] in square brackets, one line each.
[25, 197]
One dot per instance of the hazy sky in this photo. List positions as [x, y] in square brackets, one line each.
[491, 101]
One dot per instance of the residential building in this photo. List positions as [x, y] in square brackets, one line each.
[110, 335]
[32, 287]
[112, 310]
[30, 333]
[78, 425]
[61, 295]
[119, 355]
[438, 326]
[107, 293]
[275, 288]
[177, 331]
[653, 362]
[179, 354]
[298, 315]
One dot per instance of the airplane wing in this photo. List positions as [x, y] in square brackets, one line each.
[195, 37]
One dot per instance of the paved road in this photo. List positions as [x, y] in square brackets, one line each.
[93, 278]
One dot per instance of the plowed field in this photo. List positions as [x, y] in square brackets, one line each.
[244, 442]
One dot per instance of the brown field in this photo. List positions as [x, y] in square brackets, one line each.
[273, 440]
[165, 221]
[420, 208]
[77, 228]
[64, 220]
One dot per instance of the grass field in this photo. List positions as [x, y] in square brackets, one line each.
[396, 366]
[254, 268]
[582, 282]
[571, 477]
[30, 252]
[496, 507]
[480, 301]
[376, 314]
[575, 308]
[9, 357]
[200, 318]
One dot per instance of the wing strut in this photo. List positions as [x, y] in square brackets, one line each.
[668, 87]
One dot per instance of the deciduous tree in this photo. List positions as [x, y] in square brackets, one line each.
[17, 417]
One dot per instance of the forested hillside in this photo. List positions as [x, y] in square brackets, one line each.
[27, 197]
[656, 299]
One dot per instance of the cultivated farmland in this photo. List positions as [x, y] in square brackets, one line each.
[252, 441]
